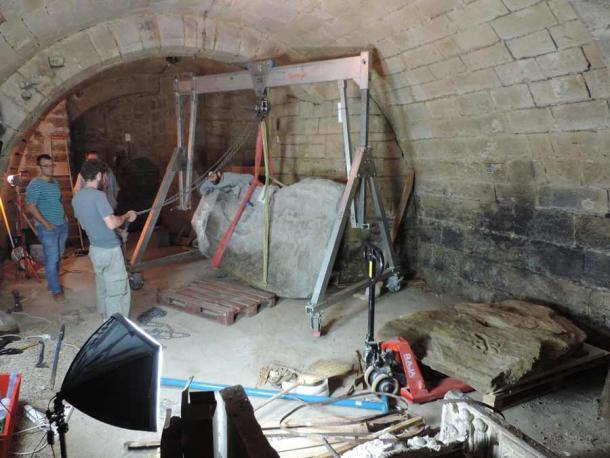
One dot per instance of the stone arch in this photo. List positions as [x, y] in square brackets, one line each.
[51, 73]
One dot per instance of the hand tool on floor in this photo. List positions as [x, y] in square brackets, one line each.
[11, 351]
[4, 341]
[17, 306]
[313, 379]
[40, 363]
[392, 366]
[60, 338]
[150, 314]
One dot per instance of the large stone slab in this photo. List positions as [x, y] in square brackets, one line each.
[488, 346]
[302, 216]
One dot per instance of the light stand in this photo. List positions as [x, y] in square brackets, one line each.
[114, 378]
[57, 417]
[19, 244]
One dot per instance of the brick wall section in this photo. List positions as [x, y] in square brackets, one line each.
[512, 155]
[150, 120]
[52, 136]
[149, 117]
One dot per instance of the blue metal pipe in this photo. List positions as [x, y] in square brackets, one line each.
[381, 406]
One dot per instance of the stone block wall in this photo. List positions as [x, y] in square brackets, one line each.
[306, 140]
[505, 115]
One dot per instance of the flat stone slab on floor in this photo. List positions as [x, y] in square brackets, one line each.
[488, 346]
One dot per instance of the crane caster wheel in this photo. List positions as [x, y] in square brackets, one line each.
[384, 383]
[136, 281]
[316, 324]
[368, 380]
[394, 283]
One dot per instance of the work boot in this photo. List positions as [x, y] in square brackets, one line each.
[59, 297]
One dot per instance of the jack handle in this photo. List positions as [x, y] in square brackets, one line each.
[375, 265]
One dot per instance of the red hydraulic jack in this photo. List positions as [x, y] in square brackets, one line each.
[392, 365]
[416, 390]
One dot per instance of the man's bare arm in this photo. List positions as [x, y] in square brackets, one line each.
[33, 210]
[79, 183]
[114, 221]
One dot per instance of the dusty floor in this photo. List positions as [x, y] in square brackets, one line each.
[565, 421]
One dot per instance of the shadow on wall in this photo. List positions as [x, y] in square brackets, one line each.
[532, 243]
[139, 181]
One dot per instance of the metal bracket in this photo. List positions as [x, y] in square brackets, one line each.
[316, 323]
[180, 163]
[262, 107]
[259, 71]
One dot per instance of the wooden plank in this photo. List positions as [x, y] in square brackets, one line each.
[214, 299]
[245, 290]
[224, 316]
[221, 295]
[242, 290]
[246, 299]
[591, 353]
[219, 301]
[193, 300]
[246, 439]
[543, 382]
[252, 309]
[604, 399]
[404, 200]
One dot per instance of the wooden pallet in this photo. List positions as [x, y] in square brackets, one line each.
[543, 382]
[220, 301]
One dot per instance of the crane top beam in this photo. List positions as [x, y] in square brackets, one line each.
[355, 68]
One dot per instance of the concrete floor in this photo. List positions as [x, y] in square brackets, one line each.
[564, 421]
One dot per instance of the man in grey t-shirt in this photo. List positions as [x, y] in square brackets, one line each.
[95, 215]
[109, 183]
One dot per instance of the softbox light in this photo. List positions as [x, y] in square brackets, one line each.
[115, 376]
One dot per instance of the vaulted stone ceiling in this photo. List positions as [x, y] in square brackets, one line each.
[416, 42]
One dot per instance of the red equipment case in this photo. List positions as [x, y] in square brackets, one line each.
[11, 417]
